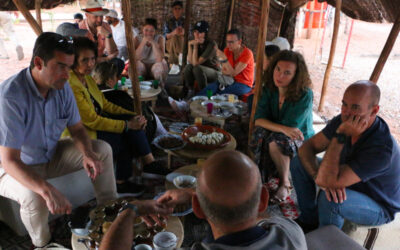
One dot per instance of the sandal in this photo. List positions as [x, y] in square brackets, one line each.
[279, 196]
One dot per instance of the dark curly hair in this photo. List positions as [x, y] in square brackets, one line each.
[301, 80]
[83, 43]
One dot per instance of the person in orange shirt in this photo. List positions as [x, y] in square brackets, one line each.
[237, 63]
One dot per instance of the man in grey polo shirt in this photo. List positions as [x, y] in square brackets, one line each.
[35, 107]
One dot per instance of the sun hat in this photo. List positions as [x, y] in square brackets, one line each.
[201, 26]
[94, 7]
[70, 29]
[112, 13]
[281, 42]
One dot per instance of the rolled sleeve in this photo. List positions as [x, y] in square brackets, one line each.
[11, 123]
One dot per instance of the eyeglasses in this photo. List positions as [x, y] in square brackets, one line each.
[231, 42]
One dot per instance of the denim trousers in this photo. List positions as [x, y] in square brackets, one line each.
[358, 207]
[235, 88]
[125, 147]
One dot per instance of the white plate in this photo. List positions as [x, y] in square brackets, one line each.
[144, 87]
[218, 98]
[146, 83]
[171, 176]
[226, 105]
[200, 97]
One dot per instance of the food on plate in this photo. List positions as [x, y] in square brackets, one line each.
[213, 138]
[170, 142]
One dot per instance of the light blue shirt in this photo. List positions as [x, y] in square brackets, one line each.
[31, 123]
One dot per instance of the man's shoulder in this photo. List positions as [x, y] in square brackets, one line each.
[14, 86]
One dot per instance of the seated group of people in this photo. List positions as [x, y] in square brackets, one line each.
[359, 175]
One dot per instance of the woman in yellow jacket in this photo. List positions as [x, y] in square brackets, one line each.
[109, 122]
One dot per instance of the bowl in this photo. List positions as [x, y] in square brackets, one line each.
[218, 98]
[185, 181]
[159, 142]
[146, 83]
[206, 129]
[200, 97]
[144, 87]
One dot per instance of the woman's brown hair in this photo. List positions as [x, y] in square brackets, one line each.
[103, 72]
[301, 80]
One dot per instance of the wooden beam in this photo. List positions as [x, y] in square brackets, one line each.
[331, 54]
[231, 14]
[188, 17]
[38, 7]
[262, 36]
[29, 18]
[130, 42]
[386, 51]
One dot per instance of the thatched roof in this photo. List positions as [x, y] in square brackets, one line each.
[46, 4]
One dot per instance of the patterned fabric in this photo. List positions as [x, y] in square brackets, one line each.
[259, 146]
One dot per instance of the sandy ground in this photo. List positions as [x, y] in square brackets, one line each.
[365, 46]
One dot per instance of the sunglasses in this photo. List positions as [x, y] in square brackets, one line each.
[66, 40]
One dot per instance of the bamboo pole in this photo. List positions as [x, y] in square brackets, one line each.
[386, 51]
[188, 17]
[130, 42]
[38, 6]
[331, 54]
[29, 18]
[231, 14]
[262, 35]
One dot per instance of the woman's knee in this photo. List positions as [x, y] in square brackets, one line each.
[141, 68]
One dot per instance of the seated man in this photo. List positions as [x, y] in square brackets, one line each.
[118, 31]
[99, 31]
[360, 172]
[230, 196]
[173, 32]
[36, 106]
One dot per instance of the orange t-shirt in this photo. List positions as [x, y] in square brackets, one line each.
[247, 75]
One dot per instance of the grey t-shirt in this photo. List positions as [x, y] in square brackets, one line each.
[281, 233]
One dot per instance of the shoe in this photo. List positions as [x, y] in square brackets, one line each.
[174, 70]
[178, 106]
[130, 188]
[155, 170]
[20, 52]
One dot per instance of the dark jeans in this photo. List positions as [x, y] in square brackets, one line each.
[126, 146]
[235, 88]
[199, 73]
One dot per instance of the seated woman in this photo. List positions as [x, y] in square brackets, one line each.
[119, 127]
[237, 66]
[283, 116]
[202, 64]
[150, 49]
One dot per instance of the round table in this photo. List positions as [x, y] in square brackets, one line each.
[189, 152]
[192, 170]
[148, 95]
[174, 225]
[197, 110]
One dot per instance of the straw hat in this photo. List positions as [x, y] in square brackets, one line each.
[94, 7]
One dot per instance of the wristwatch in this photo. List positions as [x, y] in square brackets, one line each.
[341, 138]
[130, 206]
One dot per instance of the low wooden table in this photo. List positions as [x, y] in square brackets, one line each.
[174, 225]
[197, 110]
[192, 170]
[189, 152]
[148, 95]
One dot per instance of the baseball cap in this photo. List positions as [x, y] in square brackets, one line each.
[177, 3]
[201, 26]
[70, 29]
[112, 13]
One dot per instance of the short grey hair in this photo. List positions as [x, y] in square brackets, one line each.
[221, 214]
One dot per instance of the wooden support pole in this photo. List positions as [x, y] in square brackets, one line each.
[231, 14]
[130, 42]
[188, 17]
[38, 7]
[262, 35]
[331, 54]
[29, 18]
[386, 51]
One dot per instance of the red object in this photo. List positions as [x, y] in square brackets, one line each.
[205, 129]
[245, 96]
[315, 17]
[210, 107]
[348, 43]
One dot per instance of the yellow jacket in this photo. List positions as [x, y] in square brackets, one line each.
[92, 121]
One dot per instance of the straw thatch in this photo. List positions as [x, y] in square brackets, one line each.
[30, 4]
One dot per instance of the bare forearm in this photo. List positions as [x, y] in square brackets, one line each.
[272, 126]
[82, 140]
[227, 69]
[308, 159]
[139, 50]
[158, 53]
[120, 234]
[330, 166]
[111, 47]
[195, 59]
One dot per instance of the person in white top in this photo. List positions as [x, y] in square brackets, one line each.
[118, 31]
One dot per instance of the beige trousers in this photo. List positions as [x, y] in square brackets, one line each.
[67, 159]
[174, 48]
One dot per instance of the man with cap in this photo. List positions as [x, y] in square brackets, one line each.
[78, 17]
[118, 31]
[173, 32]
[202, 60]
[99, 31]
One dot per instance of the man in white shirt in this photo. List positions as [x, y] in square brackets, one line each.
[118, 30]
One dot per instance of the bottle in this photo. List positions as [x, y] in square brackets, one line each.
[123, 79]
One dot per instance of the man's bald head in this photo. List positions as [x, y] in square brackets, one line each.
[368, 88]
[229, 187]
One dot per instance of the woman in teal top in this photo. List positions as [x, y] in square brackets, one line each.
[283, 117]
